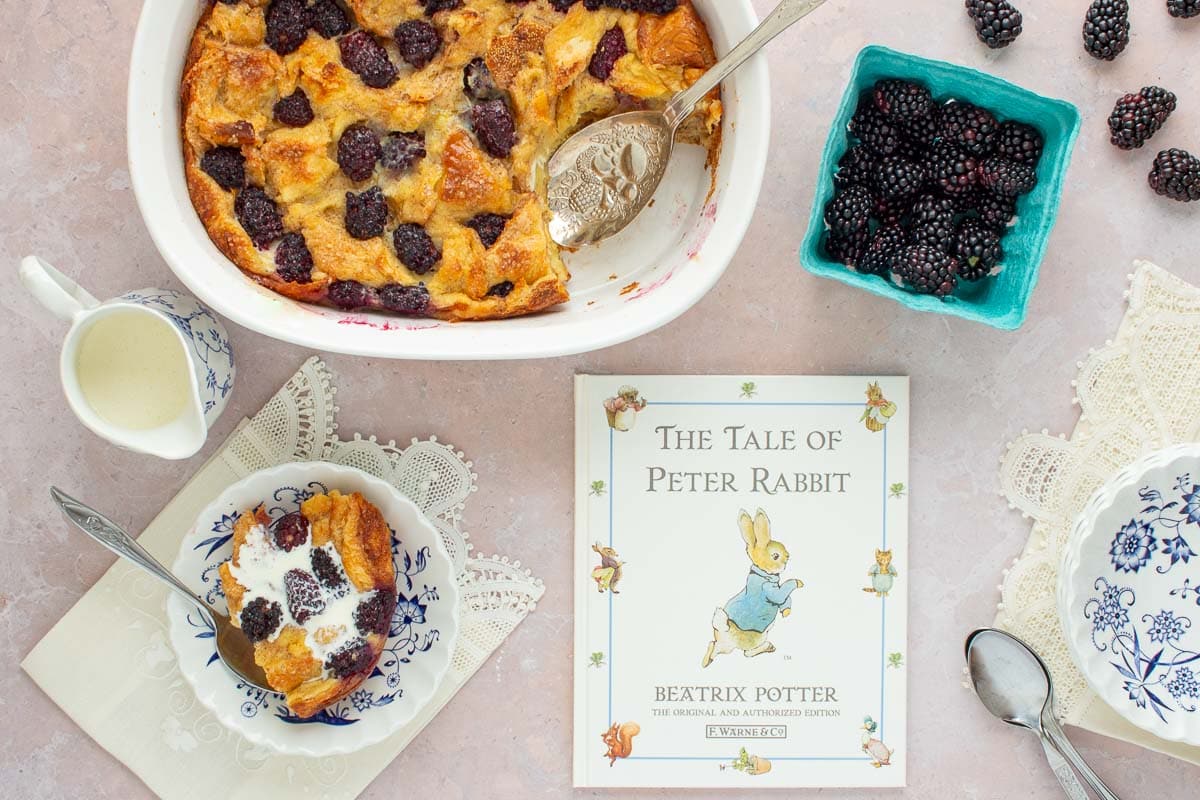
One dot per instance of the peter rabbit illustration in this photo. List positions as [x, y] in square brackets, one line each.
[608, 574]
[745, 620]
[618, 741]
[882, 573]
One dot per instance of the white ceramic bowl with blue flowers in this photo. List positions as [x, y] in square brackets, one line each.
[1129, 593]
[419, 646]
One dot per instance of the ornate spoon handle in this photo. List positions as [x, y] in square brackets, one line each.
[1067, 779]
[1058, 740]
[786, 14]
[109, 534]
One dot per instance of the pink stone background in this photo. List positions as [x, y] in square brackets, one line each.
[66, 192]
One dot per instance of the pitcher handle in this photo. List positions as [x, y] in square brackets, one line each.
[58, 293]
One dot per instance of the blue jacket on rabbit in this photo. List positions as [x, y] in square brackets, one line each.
[755, 607]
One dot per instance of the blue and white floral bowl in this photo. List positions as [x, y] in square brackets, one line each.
[419, 647]
[1129, 593]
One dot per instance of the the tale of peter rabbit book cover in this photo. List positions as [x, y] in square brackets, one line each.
[741, 581]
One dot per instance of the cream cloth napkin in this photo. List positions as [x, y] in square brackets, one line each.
[109, 665]
[1136, 394]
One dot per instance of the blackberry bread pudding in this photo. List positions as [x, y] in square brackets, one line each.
[315, 592]
[390, 154]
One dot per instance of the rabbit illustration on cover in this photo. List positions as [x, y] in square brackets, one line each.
[744, 621]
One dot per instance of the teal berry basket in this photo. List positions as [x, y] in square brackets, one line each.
[1001, 300]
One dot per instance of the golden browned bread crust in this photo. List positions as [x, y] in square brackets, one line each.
[538, 56]
[362, 541]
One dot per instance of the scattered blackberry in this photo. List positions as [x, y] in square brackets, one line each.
[399, 151]
[325, 569]
[970, 127]
[366, 213]
[303, 594]
[502, 289]
[994, 211]
[951, 169]
[327, 18]
[1176, 175]
[494, 127]
[1007, 178]
[226, 166]
[849, 211]
[478, 82]
[358, 151]
[287, 25]
[488, 226]
[259, 619]
[881, 253]
[349, 295]
[1183, 9]
[1019, 142]
[856, 167]
[365, 57]
[434, 6]
[897, 178]
[374, 614]
[415, 248]
[1137, 117]
[418, 42]
[294, 110]
[1106, 28]
[877, 132]
[293, 261]
[353, 659]
[259, 216]
[902, 101]
[997, 24]
[405, 299]
[978, 250]
[848, 249]
[927, 270]
[610, 48]
[291, 530]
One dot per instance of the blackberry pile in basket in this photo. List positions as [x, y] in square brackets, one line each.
[928, 188]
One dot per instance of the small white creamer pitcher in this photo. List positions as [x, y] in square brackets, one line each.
[149, 371]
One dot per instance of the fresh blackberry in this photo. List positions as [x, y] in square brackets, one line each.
[881, 135]
[902, 101]
[1137, 117]
[434, 6]
[353, 659]
[969, 127]
[358, 151]
[349, 295]
[258, 216]
[610, 48]
[366, 213]
[897, 178]
[502, 289]
[417, 41]
[927, 270]
[494, 127]
[923, 132]
[994, 211]
[260, 618]
[287, 25]
[937, 233]
[294, 110]
[293, 261]
[415, 248]
[1106, 29]
[888, 212]
[1183, 9]
[303, 594]
[325, 569]
[856, 167]
[399, 151]
[997, 24]
[881, 253]
[849, 211]
[1176, 175]
[1007, 178]
[977, 248]
[374, 614]
[478, 82]
[367, 59]
[226, 166]
[327, 18]
[488, 226]
[953, 170]
[405, 299]
[1019, 142]
[291, 530]
[848, 250]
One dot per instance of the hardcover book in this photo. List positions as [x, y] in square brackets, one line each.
[741, 581]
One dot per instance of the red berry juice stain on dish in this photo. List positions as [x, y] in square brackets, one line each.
[645, 290]
[363, 322]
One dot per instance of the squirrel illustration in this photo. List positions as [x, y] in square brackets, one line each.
[619, 741]
[609, 573]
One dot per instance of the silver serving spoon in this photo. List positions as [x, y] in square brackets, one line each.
[604, 175]
[1014, 684]
[235, 650]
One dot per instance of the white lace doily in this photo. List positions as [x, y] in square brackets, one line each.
[1136, 394]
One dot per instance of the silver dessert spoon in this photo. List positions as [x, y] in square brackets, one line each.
[1014, 684]
[603, 176]
[235, 650]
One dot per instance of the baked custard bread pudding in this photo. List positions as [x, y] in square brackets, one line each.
[315, 592]
[390, 154]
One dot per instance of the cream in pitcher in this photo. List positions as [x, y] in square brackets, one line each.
[148, 371]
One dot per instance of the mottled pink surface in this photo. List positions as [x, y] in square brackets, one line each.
[508, 733]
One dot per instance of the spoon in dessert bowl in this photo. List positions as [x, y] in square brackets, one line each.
[602, 177]
[236, 651]
[1014, 684]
